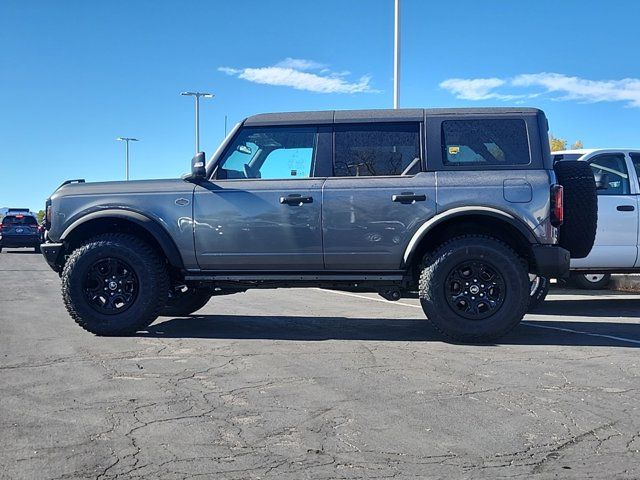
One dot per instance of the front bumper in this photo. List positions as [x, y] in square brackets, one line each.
[551, 261]
[53, 253]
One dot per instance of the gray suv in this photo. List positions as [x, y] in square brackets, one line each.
[458, 205]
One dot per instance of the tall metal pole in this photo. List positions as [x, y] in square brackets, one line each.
[126, 141]
[126, 160]
[197, 96]
[396, 56]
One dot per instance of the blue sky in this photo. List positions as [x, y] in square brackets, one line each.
[75, 75]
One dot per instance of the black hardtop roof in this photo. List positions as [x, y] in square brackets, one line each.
[380, 115]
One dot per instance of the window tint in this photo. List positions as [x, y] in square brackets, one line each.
[19, 220]
[635, 158]
[485, 142]
[614, 165]
[270, 153]
[376, 150]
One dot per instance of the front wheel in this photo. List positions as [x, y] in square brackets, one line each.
[474, 289]
[114, 284]
[591, 281]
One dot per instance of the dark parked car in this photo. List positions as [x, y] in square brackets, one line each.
[20, 230]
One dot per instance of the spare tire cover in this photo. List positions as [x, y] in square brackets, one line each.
[578, 232]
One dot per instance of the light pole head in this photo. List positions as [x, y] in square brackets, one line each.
[197, 94]
[127, 139]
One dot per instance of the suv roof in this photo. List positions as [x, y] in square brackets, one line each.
[375, 115]
[585, 151]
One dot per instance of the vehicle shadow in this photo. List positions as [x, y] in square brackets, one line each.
[299, 328]
[595, 306]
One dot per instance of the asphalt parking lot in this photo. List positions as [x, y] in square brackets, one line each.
[314, 384]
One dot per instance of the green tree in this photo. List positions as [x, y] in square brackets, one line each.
[40, 215]
[577, 145]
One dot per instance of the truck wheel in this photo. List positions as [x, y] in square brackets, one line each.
[538, 290]
[114, 284]
[591, 281]
[578, 232]
[181, 304]
[474, 288]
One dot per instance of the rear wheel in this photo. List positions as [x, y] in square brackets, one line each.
[591, 281]
[474, 289]
[114, 284]
[183, 303]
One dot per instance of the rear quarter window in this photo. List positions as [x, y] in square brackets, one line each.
[485, 142]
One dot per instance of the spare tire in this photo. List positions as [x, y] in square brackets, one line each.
[578, 232]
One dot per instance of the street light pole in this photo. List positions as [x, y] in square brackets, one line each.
[197, 96]
[396, 56]
[126, 152]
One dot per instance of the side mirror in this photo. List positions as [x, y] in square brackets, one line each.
[198, 170]
[602, 181]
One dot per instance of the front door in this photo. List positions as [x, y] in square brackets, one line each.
[262, 209]
[377, 198]
[616, 238]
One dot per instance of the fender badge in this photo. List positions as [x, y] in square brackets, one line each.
[181, 202]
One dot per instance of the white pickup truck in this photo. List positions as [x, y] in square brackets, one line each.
[616, 247]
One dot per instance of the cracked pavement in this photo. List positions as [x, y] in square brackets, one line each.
[295, 384]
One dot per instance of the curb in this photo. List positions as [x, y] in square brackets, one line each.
[625, 283]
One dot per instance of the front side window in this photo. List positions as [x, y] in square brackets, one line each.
[485, 142]
[614, 166]
[376, 150]
[273, 153]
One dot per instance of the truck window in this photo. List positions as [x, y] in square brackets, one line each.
[485, 142]
[274, 153]
[615, 166]
[376, 150]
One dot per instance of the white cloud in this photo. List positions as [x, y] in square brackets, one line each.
[300, 64]
[534, 84]
[475, 88]
[294, 73]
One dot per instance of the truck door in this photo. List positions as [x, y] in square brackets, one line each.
[617, 233]
[261, 210]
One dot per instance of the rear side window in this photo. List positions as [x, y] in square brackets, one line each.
[614, 166]
[376, 150]
[19, 220]
[635, 158]
[485, 142]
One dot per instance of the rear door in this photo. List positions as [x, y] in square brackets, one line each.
[377, 197]
[19, 225]
[617, 233]
[261, 210]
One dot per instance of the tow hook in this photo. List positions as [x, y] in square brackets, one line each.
[393, 295]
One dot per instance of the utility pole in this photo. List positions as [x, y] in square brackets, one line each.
[126, 152]
[396, 56]
[197, 96]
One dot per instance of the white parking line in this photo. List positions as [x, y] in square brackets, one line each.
[559, 329]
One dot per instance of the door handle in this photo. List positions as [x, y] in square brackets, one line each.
[295, 199]
[408, 197]
[625, 208]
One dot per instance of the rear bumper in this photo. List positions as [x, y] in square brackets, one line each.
[52, 253]
[9, 241]
[551, 261]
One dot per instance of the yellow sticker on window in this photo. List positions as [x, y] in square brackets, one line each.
[454, 150]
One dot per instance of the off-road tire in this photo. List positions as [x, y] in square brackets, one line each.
[539, 294]
[579, 280]
[181, 304]
[578, 232]
[437, 268]
[149, 268]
